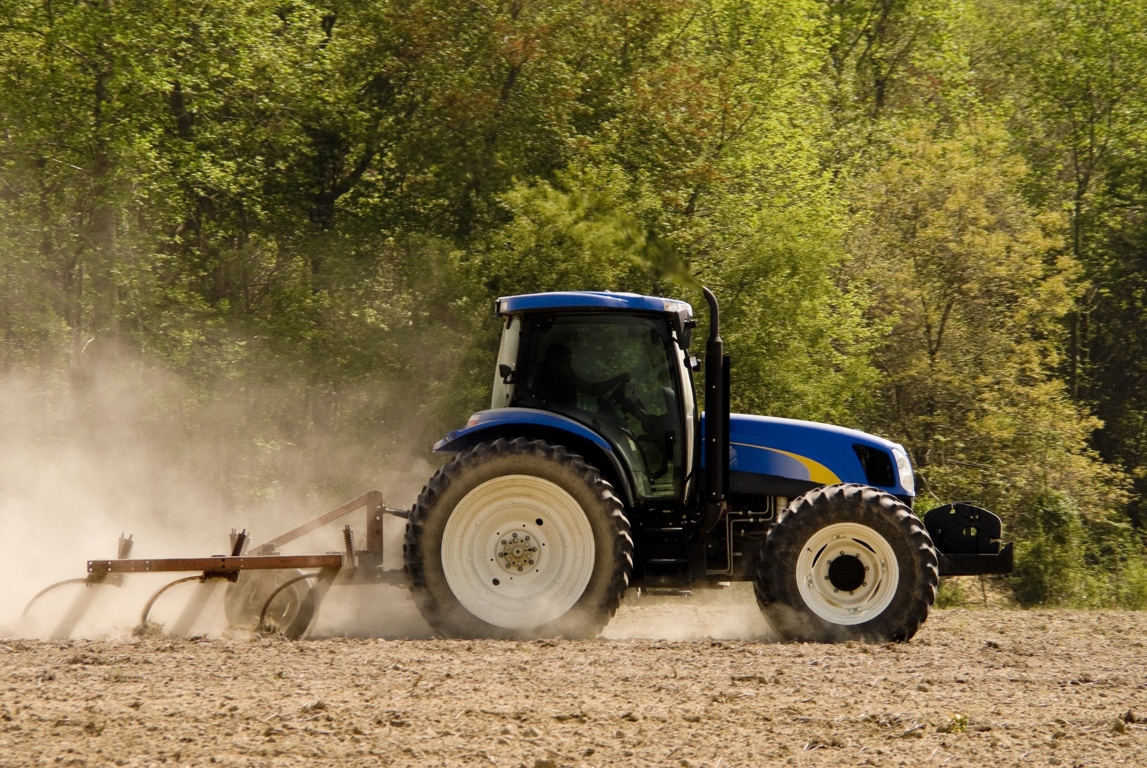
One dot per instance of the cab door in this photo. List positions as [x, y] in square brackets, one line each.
[620, 375]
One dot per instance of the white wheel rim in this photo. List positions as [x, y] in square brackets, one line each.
[517, 551]
[824, 590]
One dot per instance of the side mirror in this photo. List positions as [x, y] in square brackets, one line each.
[506, 372]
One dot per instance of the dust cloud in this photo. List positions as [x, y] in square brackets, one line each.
[728, 613]
[124, 448]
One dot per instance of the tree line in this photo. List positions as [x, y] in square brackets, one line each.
[923, 218]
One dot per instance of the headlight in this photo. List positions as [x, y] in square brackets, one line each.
[904, 469]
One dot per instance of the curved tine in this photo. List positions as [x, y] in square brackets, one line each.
[280, 588]
[160, 591]
[48, 589]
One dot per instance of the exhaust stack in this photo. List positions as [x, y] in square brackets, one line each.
[715, 449]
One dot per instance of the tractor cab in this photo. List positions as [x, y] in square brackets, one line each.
[616, 365]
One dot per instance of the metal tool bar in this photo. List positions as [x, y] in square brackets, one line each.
[216, 563]
[371, 500]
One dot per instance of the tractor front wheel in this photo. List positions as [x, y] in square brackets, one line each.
[518, 539]
[847, 562]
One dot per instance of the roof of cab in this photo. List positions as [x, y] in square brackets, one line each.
[588, 300]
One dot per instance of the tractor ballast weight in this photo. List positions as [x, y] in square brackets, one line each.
[595, 470]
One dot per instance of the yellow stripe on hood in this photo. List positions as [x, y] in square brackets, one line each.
[817, 472]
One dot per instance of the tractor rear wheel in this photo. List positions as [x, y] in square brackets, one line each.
[847, 562]
[518, 539]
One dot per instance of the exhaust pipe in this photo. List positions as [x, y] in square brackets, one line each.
[715, 447]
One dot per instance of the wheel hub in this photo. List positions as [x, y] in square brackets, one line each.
[517, 552]
[846, 572]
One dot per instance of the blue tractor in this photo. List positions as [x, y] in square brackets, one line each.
[595, 471]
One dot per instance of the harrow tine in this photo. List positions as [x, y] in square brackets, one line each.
[76, 612]
[50, 588]
[156, 595]
[275, 593]
[79, 606]
[194, 607]
[323, 580]
[83, 601]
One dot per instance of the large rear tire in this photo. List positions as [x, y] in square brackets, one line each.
[518, 539]
[847, 562]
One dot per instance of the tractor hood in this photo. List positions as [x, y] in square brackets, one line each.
[786, 457]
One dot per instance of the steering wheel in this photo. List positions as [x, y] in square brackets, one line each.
[618, 398]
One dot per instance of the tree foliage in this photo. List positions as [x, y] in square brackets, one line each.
[923, 218]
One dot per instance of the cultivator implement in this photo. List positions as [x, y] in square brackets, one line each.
[265, 589]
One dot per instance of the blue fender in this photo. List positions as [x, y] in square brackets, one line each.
[492, 424]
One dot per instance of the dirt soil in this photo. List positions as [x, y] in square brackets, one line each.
[974, 688]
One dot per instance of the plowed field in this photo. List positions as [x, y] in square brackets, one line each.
[671, 684]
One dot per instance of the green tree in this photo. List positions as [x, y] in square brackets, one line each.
[1083, 87]
[712, 158]
[1074, 78]
[967, 278]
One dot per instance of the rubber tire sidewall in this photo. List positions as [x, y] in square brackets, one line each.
[776, 586]
[612, 541]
